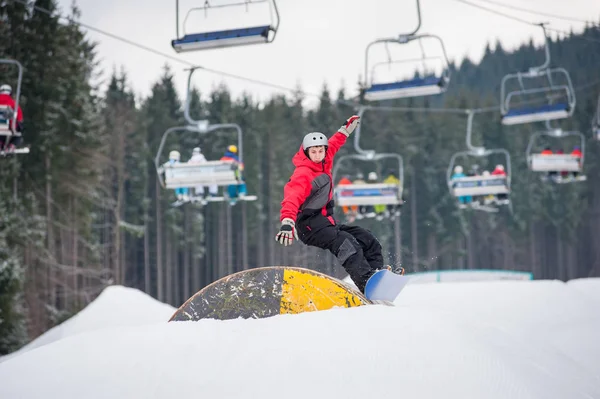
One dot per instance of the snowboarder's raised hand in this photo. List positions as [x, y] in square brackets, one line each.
[287, 232]
[350, 125]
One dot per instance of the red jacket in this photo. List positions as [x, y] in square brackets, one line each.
[5, 99]
[310, 187]
[498, 172]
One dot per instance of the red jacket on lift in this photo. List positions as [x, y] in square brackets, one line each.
[6, 99]
[498, 172]
[311, 183]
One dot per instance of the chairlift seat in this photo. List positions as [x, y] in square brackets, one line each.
[222, 38]
[406, 88]
[480, 185]
[221, 173]
[536, 114]
[368, 194]
[555, 163]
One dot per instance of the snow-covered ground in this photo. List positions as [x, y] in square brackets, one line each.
[492, 339]
[116, 306]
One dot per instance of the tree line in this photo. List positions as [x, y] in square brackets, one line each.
[84, 209]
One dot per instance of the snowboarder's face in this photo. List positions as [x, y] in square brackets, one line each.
[316, 154]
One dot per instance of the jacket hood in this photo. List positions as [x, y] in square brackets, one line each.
[300, 159]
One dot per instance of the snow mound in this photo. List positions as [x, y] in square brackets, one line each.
[588, 287]
[505, 339]
[116, 306]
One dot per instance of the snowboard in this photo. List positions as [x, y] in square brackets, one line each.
[385, 285]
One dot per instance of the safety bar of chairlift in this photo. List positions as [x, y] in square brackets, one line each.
[568, 87]
[196, 128]
[402, 40]
[274, 2]
[480, 154]
[556, 133]
[373, 157]
[18, 93]
[379, 64]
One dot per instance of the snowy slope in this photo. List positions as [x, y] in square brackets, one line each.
[116, 306]
[505, 339]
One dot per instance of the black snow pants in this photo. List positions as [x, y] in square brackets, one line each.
[357, 249]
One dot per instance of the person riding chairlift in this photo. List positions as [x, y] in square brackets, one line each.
[7, 100]
[235, 191]
[349, 211]
[577, 152]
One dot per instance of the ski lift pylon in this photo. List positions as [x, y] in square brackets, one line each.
[225, 38]
[479, 186]
[512, 115]
[8, 116]
[415, 87]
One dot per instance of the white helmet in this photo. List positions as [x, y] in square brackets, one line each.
[372, 176]
[5, 89]
[486, 173]
[500, 167]
[313, 140]
[196, 151]
[458, 169]
[174, 155]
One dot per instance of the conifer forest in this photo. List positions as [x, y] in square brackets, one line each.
[84, 209]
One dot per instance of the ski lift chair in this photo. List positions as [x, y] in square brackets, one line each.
[369, 193]
[480, 185]
[415, 87]
[518, 114]
[185, 175]
[8, 116]
[556, 163]
[225, 38]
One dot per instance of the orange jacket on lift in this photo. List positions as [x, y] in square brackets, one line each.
[345, 209]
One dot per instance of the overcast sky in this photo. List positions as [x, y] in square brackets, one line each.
[318, 40]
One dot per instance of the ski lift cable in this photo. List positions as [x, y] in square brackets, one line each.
[165, 55]
[465, 111]
[523, 20]
[272, 85]
[544, 14]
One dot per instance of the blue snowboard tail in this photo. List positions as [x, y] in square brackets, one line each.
[385, 286]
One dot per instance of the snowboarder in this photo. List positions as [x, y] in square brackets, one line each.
[307, 209]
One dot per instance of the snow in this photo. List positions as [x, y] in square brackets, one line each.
[116, 306]
[489, 339]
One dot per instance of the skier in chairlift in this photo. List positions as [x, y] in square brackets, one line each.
[7, 100]
[307, 209]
